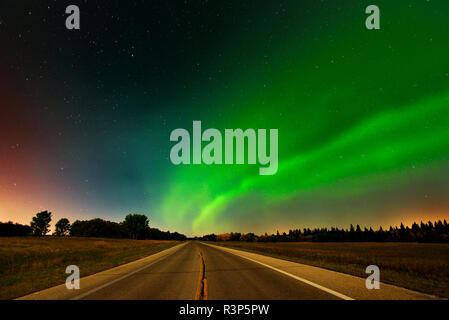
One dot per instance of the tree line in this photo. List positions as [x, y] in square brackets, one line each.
[135, 226]
[10, 229]
[437, 231]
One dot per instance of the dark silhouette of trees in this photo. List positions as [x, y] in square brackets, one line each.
[10, 229]
[98, 228]
[235, 236]
[62, 227]
[136, 225]
[156, 234]
[210, 237]
[40, 225]
[249, 237]
[423, 232]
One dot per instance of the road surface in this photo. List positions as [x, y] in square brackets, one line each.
[227, 277]
[195, 270]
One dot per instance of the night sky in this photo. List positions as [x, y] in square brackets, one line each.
[363, 115]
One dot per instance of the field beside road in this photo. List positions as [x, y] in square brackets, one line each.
[29, 264]
[422, 267]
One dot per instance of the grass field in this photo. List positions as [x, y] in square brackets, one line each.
[418, 266]
[29, 264]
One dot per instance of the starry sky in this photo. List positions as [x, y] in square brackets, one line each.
[363, 115]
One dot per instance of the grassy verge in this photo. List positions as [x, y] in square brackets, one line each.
[422, 267]
[29, 264]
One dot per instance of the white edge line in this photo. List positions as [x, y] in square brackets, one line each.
[123, 277]
[335, 293]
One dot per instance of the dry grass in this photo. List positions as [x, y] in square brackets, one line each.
[29, 264]
[418, 266]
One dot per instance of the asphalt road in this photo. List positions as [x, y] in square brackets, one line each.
[198, 271]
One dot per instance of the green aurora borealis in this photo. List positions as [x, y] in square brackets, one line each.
[363, 116]
[357, 112]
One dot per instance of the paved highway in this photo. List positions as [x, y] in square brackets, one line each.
[198, 271]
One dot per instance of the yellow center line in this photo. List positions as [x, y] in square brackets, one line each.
[201, 290]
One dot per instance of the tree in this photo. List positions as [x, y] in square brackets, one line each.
[62, 227]
[136, 225]
[40, 225]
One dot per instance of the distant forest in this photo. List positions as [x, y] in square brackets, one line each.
[422, 232]
[135, 226]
